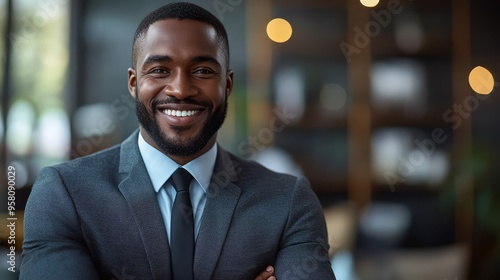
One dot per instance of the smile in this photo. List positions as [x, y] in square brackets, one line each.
[180, 113]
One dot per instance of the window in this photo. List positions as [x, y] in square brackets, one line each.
[37, 130]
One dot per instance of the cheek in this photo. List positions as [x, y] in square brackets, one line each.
[213, 93]
[221, 94]
[218, 102]
[148, 89]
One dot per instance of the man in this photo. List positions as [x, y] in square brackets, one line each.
[113, 215]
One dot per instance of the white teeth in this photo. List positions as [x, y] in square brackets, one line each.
[178, 113]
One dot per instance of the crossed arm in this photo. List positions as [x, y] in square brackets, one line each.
[267, 274]
[304, 250]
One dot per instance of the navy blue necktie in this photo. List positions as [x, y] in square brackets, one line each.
[182, 228]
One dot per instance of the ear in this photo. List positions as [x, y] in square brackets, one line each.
[229, 82]
[132, 82]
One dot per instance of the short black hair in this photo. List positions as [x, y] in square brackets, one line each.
[181, 10]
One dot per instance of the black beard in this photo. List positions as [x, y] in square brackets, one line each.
[172, 147]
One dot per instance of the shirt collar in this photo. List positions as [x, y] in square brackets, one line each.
[160, 167]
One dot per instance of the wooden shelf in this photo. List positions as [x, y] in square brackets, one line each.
[444, 60]
[320, 26]
[433, 46]
[401, 118]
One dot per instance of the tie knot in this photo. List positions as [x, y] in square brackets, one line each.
[181, 179]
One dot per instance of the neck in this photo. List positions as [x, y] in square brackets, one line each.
[181, 160]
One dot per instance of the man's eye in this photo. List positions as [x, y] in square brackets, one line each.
[158, 71]
[203, 71]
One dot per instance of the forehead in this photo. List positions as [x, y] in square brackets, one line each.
[180, 39]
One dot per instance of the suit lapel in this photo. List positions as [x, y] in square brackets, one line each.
[222, 198]
[139, 193]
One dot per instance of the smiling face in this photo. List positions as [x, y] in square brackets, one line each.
[180, 84]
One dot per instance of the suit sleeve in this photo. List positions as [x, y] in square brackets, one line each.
[53, 245]
[304, 248]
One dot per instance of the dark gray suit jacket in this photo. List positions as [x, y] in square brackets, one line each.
[97, 217]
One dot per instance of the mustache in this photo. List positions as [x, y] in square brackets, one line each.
[173, 100]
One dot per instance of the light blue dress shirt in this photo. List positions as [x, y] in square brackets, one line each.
[160, 167]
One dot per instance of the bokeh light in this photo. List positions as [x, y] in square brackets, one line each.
[481, 80]
[20, 123]
[333, 97]
[369, 3]
[279, 30]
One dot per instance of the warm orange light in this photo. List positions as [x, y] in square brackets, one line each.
[369, 3]
[279, 30]
[481, 80]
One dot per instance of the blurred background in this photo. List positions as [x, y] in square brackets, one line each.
[388, 107]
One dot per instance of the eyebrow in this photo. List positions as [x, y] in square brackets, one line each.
[206, 58]
[165, 58]
[157, 58]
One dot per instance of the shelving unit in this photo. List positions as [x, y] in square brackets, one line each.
[335, 148]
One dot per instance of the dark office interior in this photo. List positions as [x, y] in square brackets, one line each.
[390, 112]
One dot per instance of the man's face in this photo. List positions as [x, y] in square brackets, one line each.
[180, 85]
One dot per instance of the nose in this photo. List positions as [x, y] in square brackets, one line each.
[180, 86]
